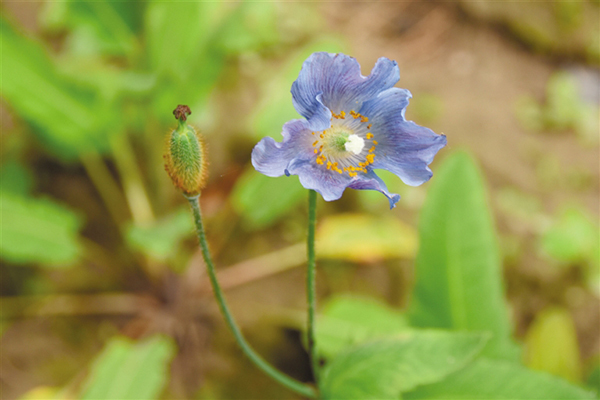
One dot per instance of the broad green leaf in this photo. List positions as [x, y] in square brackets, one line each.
[163, 238]
[129, 370]
[262, 200]
[347, 321]
[495, 379]
[364, 238]
[551, 345]
[66, 116]
[385, 368]
[458, 270]
[38, 231]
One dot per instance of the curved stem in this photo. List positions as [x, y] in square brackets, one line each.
[310, 283]
[267, 368]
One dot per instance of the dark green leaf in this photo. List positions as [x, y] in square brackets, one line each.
[458, 270]
[495, 379]
[385, 368]
[128, 370]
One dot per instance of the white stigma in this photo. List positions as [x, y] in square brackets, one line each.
[354, 144]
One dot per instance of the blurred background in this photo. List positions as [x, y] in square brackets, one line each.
[97, 246]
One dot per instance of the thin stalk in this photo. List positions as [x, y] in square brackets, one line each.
[267, 368]
[133, 184]
[311, 288]
[105, 185]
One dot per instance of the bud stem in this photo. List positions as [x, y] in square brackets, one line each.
[267, 368]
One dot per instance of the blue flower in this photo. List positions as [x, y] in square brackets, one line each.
[352, 125]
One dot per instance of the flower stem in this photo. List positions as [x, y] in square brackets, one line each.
[310, 283]
[267, 368]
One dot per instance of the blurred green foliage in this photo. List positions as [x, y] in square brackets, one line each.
[161, 240]
[38, 231]
[563, 110]
[551, 345]
[128, 370]
[364, 238]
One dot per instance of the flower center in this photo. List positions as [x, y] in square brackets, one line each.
[341, 148]
[355, 144]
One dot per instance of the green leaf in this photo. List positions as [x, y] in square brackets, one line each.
[66, 116]
[129, 370]
[494, 379]
[162, 239]
[38, 231]
[458, 270]
[262, 200]
[551, 345]
[385, 368]
[365, 238]
[347, 321]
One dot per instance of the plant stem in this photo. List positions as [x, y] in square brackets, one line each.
[311, 288]
[267, 368]
[105, 185]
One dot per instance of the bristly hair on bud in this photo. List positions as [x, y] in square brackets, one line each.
[185, 155]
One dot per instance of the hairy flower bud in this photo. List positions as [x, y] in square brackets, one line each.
[185, 158]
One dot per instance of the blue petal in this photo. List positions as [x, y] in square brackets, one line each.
[404, 148]
[272, 158]
[329, 184]
[370, 181]
[337, 78]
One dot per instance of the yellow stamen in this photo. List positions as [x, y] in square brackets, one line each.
[375, 142]
[364, 119]
[369, 126]
[372, 149]
[369, 135]
[315, 143]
